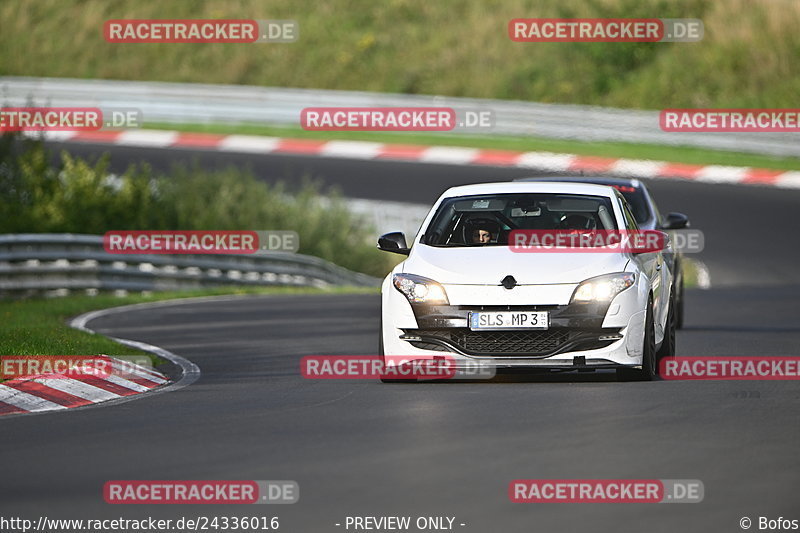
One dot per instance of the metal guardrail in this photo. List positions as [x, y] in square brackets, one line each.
[189, 103]
[386, 216]
[57, 264]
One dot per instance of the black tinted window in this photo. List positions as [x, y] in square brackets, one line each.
[460, 221]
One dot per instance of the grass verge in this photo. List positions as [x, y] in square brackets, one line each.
[40, 326]
[691, 274]
[747, 57]
[677, 154]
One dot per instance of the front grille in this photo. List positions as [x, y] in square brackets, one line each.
[534, 343]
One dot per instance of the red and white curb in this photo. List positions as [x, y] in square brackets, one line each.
[45, 393]
[49, 392]
[451, 155]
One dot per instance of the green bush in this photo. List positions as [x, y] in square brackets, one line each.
[75, 196]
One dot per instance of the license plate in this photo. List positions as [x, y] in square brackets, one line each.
[508, 320]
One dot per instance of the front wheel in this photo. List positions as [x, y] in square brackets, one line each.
[649, 363]
[679, 304]
[668, 344]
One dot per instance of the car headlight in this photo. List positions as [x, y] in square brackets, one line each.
[420, 290]
[603, 288]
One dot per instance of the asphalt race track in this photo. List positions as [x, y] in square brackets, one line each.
[451, 449]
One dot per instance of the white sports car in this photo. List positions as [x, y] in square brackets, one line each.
[463, 293]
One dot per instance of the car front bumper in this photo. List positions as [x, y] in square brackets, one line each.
[579, 336]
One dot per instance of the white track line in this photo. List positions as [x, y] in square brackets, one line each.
[352, 149]
[545, 161]
[249, 144]
[190, 372]
[25, 401]
[140, 373]
[448, 155]
[147, 138]
[722, 174]
[788, 180]
[123, 367]
[122, 382]
[77, 388]
[637, 168]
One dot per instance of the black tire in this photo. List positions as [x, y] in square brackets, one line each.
[649, 364]
[667, 348]
[679, 302]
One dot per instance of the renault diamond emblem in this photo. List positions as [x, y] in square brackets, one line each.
[509, 282]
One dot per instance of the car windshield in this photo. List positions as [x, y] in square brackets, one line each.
[489, 219]
[637, 201]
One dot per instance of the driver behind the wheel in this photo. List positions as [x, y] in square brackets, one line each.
[481, 236]
[578, 222]
[481, 231]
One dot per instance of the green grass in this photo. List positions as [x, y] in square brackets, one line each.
[677, 154]
[40, 326]
[691, 273]
[748, 57]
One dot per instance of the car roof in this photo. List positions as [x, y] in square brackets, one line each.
[600, 180]
[531, 186]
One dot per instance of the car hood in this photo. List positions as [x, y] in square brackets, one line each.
[488, 265]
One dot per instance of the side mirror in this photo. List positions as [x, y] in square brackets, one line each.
[394, 242]
[676, 221]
